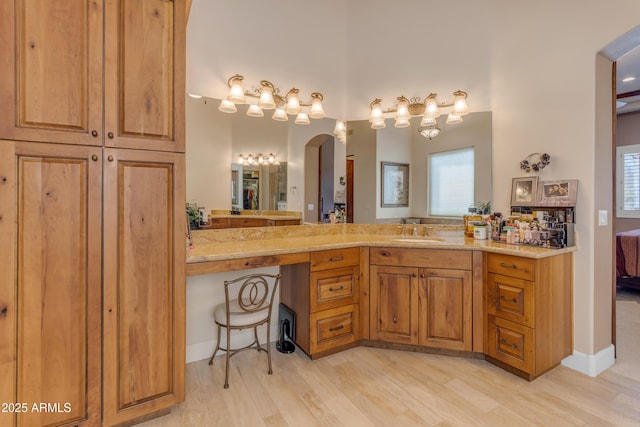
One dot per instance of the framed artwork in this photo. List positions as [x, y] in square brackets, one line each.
[523, 191]
[394, 186]
[563, 192]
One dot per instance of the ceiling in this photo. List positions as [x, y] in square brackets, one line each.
[629, 66]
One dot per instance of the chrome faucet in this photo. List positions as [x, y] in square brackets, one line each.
[415, 231]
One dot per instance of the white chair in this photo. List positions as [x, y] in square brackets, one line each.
[248, 303]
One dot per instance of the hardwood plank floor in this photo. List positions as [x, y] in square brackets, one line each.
[378, 387]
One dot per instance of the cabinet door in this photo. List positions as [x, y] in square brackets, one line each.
[445, 309]
[50, 287]
[144, 283]
[144, 74]
[394, 304]
[51, 71]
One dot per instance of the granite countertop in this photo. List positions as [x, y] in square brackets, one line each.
[218, 245]
[264, 216]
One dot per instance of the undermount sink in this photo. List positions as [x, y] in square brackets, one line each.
[419, 240]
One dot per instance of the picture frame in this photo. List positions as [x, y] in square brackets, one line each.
[561, 192]
[394, 184]
[523, 191]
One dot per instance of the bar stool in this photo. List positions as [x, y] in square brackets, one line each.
[248, 302]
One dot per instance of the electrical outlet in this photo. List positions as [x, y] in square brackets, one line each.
[603, 218]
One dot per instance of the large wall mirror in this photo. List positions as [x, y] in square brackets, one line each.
[216, 181]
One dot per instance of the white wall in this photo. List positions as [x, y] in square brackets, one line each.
[533, 64]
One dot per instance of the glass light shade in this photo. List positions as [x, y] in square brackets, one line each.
[266, 98]
[340, 127]
[302, 119]
[272, 158]
[316, 111]
[453, 118]
[260, 159]
[430, 131]
[250, 159]
[378, 123]
[376, 112]
[293, 103]
[280, 115]
[254, 110]
[227, 106]
[428, 121]
[431, 106]
[240, 159]
[236, 91]
[402, 123]
[460, 107]
[402, 113]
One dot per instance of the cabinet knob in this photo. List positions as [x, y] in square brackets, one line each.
[338, 258]
[3, 312]
[94, 133]
[110, 135]
[110, 158]
[395, 319]
[94, 157]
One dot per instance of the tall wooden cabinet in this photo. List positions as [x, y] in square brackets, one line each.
[92, 189]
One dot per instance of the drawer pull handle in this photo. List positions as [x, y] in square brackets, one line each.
[3, 312]
[503, 298]
[395, 319]
[504, 264]
[338, 258]
[337, 328]
[507, 343]
[336, 289]
[261, 262]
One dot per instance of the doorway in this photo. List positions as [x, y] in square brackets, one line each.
[318, 177]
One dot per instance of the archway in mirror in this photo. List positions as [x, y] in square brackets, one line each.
[319, 177]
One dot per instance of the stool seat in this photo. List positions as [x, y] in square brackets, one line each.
[238, 317]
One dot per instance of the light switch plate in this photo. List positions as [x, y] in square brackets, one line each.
[603, 218]
[310, 207]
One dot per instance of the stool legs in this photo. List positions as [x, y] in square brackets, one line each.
[217, 348]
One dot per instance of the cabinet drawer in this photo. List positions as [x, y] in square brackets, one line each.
[334, 258]
[334, 327]
[431, 258]
[514, 266]
[334, 288]
[218, 223]
[247, 222]
[511, 343]
[511, 298]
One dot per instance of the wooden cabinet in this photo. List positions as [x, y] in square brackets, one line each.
[325, 295]
[58, 59]
[422, 297]
[529, 312]
[144, 283]
[92, 216]
[50, 287]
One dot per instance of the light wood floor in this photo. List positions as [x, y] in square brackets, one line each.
[375, 387]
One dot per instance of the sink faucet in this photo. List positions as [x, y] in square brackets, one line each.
[415, 231]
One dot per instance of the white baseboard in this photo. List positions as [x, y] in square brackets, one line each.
[591, 364]
[204, 350]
